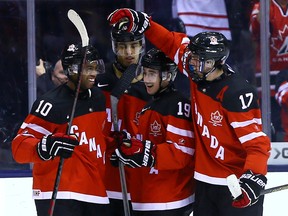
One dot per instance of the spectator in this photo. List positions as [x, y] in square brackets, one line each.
[204, 15]
[278, 32]
[281, 97]
[229, 17]
[40, 68]
[51, 78]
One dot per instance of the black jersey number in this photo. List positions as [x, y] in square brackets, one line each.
[43, 108]
[184, 109]
[244, 102]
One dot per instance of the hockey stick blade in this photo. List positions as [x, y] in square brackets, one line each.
[125, 80]
[77, 21]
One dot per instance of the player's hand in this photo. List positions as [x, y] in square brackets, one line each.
[58, 144]
[40, 69]
[251, 185]
[130, 20]
[120, 136]
[136, 153]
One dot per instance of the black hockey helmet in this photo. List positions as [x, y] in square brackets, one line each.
[72, 56]
[157, 60]
[207, 46]
[210, 45]
[118, 36]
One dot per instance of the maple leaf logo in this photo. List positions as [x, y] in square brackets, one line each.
[155, 127]
[280, 43]
[216, 118]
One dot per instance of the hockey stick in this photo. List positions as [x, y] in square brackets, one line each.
[77, 21]
[274, 189]
[116, 93]
[235, 188]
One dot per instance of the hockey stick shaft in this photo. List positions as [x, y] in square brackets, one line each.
[116, 93]
[114, 103]
[77, 21]
[274, 189]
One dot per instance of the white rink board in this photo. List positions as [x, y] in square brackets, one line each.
[16, 193]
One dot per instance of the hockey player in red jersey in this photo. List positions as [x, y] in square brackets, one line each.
[164, 155]
[226, 117]
[42, 139]
[128, 49]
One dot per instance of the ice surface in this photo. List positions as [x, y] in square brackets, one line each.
[16, 193]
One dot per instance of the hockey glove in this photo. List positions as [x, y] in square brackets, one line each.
[129, 20]
[114, 160]
[118, 137]
[58, 144]
[136, 153]
[251, 186]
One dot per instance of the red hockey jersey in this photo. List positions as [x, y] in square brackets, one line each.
[166, 121]
[226, 117]
[83, 174]
[129, 108]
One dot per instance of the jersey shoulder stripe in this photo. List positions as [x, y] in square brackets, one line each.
[55, 106]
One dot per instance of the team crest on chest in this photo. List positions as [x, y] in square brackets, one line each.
[155, 128]
[216, 118]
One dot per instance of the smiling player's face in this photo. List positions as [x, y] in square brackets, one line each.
[152, 80]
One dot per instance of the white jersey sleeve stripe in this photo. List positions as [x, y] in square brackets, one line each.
[185, 149]
[251, 136]
[246, 123]
[178, 131]
[36, 128]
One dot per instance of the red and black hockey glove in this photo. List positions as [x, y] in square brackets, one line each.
[129, 20]
[251, 185]
[136, 153]
[58, 144]
[118, 137]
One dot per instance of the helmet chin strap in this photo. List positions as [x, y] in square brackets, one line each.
[202, 66]
[210, 72]
[161, 88]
